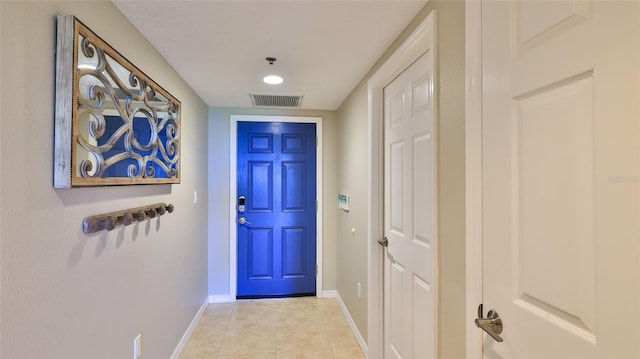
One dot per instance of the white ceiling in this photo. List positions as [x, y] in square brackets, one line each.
[324, 48]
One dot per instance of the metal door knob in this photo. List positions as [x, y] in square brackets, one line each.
[492, 324]
[243, 220]
[384, 242]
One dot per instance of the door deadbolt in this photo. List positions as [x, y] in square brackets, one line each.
[242, 204]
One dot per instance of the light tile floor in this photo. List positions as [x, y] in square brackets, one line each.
[308, 328]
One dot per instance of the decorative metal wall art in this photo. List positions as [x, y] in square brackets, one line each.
[113, 124]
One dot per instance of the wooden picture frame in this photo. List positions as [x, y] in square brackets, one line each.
[113, 124]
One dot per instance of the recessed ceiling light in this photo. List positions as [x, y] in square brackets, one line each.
[273, 80]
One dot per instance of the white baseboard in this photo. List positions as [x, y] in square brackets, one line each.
[221, 299]
[329, 294]
[187, 334]
[354, 328]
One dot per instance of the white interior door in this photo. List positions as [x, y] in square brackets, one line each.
[409, 299]
[561, 245]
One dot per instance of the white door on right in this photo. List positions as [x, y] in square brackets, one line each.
[561, 179]
[409, 211]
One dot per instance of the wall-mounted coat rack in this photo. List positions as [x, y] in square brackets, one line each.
[109, 221]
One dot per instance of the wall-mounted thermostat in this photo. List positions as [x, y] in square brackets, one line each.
[343, 202]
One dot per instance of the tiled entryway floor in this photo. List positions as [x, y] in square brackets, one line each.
[275, 329]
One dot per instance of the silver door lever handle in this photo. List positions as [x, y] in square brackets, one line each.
[492, 324]
[243, 220]
[384, 242]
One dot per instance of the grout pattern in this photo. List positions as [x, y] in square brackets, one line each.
[300, 328]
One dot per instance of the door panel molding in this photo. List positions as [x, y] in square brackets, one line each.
[264, 145]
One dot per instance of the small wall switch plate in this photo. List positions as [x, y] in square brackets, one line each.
[137, 347]
[359, 290]
[195, 197]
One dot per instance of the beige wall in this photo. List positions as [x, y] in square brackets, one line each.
[353, 149]
[451, 179]
[219, 118]
[65, 294]
[353, 178]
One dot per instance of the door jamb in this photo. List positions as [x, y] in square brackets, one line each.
[233, 163]
[411, 49]
[473, 175]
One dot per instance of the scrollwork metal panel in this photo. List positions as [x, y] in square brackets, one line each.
[114, 125]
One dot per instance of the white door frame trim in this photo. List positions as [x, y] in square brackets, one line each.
[233, 164]
[411, 49]
[473, 176]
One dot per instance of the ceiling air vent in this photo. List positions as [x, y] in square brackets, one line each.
[276, 100]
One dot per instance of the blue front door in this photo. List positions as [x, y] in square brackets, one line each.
[277, 223]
